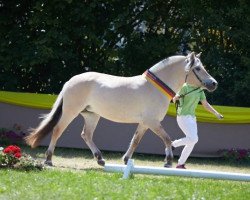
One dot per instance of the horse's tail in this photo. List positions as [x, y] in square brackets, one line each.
[48, 123]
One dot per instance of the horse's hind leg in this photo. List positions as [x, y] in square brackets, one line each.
[66, 118]
[134, 142]
[157, 128]
[91, 120]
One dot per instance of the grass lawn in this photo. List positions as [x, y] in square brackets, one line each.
[77, 176]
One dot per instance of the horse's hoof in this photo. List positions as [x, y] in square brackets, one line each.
[101, 162]
[125, 159]
[48, 162]
[168, 165]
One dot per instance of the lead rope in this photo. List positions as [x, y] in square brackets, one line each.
[177, 102]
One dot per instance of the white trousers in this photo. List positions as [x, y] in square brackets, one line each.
[188, 125]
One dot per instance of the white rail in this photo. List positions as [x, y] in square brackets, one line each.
[130, 168]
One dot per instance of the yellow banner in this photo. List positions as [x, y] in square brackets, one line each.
[32, 100]
[232, 115]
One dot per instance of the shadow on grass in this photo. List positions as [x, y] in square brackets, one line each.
[86, 154]
[85, 169]
[39, 152]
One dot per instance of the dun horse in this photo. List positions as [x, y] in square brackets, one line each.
[142, 99]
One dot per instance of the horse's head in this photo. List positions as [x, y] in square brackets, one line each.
[197, 75]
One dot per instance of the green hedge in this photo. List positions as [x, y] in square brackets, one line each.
[44, 43]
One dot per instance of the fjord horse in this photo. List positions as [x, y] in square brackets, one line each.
[142, 99]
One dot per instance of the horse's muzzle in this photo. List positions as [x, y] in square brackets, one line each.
[210, 84]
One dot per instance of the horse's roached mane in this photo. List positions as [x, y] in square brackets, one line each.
[169, 61]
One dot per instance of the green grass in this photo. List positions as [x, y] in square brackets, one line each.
[95, 184]
[77, 176]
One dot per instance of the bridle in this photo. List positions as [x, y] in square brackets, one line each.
[196, 75]
[177, 102]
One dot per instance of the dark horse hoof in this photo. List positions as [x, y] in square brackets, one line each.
[125, 159]
[99, 158]
[48, 162]
[101, 162]
[168, 165]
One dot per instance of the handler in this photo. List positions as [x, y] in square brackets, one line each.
[188, 98]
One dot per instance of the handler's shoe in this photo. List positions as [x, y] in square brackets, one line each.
[181, 166]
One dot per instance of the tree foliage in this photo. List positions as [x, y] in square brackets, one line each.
[44, 43]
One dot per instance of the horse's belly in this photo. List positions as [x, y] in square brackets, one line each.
[128, 108]
[121, 118]
[119, 105]
[125, 112]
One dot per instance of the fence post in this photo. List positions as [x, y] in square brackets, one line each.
[128, 169]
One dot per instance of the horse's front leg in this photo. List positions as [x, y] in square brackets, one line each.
[134, 142]
[158, 130]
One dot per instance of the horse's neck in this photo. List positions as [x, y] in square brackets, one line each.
[171, 72]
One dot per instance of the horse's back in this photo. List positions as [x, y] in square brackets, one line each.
[120, 99]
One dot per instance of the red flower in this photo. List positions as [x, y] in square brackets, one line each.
[7, 150]
[18, 155]
[13, 150]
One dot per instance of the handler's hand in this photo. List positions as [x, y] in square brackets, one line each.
[176, 98]
[219, 116]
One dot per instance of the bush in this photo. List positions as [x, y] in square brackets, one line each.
[12, 157]
[12, 136]
[239, 155]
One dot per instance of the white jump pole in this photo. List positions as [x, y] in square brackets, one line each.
[131, 169]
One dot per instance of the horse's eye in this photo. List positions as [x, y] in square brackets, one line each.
[197, 68]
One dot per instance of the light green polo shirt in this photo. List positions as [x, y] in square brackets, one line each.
[189, 103]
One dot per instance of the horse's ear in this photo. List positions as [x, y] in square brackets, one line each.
[192, 56]
[198, 55]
